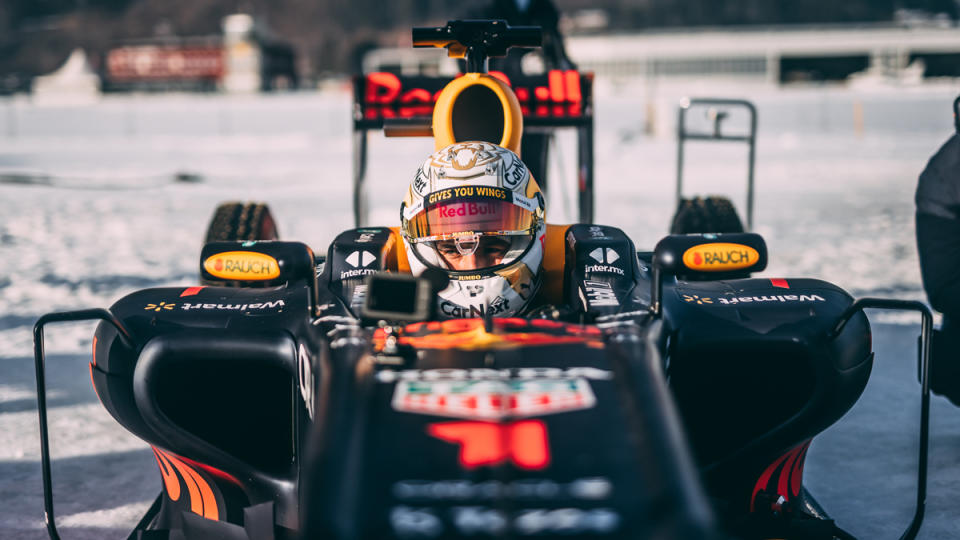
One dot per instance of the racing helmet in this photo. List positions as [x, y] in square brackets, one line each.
[474, 211]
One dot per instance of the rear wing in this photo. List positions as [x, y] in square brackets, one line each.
[403, 106]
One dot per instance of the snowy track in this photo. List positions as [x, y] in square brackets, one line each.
[90, 211]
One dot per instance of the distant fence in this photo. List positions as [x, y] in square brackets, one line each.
[833, 110]
[178, 114]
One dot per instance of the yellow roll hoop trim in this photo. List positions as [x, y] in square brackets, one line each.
[443, 111]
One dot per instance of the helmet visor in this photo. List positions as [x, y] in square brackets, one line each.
[471, 234]
[467, 217]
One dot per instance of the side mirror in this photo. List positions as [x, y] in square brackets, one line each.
[706, 257]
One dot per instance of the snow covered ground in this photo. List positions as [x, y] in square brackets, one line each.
[90, 210]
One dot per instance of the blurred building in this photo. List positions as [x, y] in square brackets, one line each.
[244, 58]
[74, 81]
[775, 55]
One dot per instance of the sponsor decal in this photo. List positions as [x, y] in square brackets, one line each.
[487, 374]
[486, 444]
[242, 265]
[493, 399]
[567, 521]
[408, 522]
[468, 191]
[600, 294]
[415, 522]
[555, 94]
[438, 196]
[420, 181]
[468, 209]
[360, 260]
[469, 278]
[412, 210]
[305, 375]
[483, 191]
[587, 489]
[256, 306]
[162, 306]
[784, 298]
[606, 256]
[514, 174]
[526, 203]
[365, 237]
[596, 232]
[497, 306]
[779, 282]
[474, 290]
[720, 257]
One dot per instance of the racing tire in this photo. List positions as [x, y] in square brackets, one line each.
[706, 215]
[242, 221]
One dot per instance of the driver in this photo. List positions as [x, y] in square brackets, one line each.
[475, 212]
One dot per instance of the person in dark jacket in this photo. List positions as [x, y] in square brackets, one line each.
[938, 243]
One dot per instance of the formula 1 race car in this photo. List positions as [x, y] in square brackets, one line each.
[660, 394]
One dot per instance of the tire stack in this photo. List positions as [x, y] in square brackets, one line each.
[241, 221]
[706, 215]
[236, 221]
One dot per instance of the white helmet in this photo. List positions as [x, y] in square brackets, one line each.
[474, 211]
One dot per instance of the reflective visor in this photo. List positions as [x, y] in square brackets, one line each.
[469, 216]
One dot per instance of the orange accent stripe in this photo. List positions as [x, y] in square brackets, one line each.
[210, 510]
[403, 264]
[554, 256]
[94, 384]
[170, 480]
[196, 503]
[93, 363]
[203, 496]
